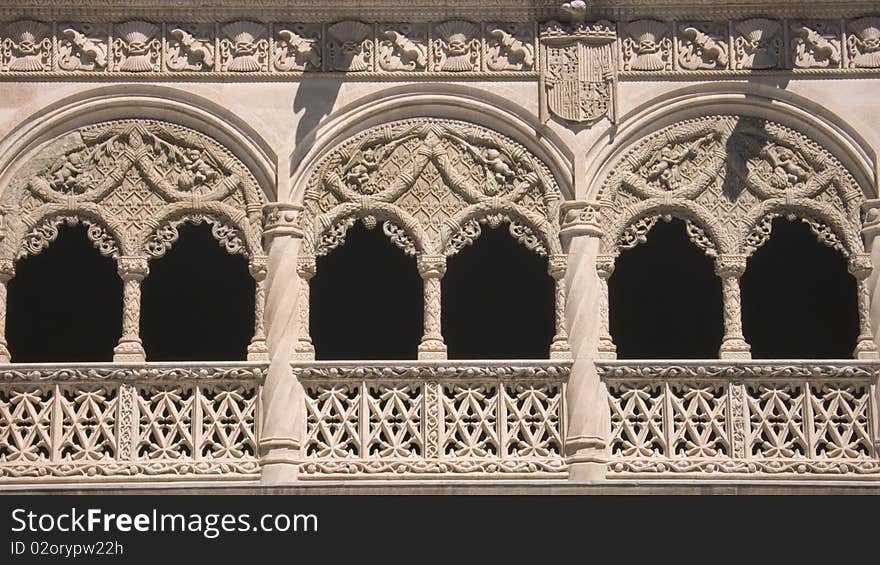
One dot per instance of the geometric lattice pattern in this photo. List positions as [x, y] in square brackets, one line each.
[673, 425]
[116, 422]
[372, 425]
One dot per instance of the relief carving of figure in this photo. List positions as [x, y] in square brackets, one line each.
[403, 48]
[297, 48]
[456, 47]
[136, 47]
[244, 48]
[350, 46]
[27, 47]
[699, 48]
[758, 44]
[82, 48]
[510, 49]
[189, 49]
[666, 166]
[816, 45]
[863, 43]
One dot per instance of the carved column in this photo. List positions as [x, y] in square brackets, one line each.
[861, 267]
[588, 423]
[258, 350]
[132, 270]
[282, 398]
[559, 348]
[432, 268]
[305, 350]
[7, 271]
[733, 345]
[605, 268]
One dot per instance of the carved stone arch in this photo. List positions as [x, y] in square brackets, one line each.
[531, 230]
[828, 225]
[633, 225]
[229, 226]
[402, 228]
[433, 176]
[41, 229]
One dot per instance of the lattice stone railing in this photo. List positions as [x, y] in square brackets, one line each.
[444, 419]
[143, 422]
[744, 418]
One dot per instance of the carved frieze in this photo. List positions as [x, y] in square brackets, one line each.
[455, 47]
[296, 47]
[82, 47]
[402, 47]
[137, 47]
[863, 43]
[646, 45]
[350, 47]
[27, 46]
[189, 47]
[510, 47]
[244, 47]
[816, 44]
[758, 44]
[703, 46]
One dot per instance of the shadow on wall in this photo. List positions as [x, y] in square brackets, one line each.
[315, 99]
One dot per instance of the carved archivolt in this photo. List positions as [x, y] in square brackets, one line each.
[132, 182]
[728, 177]
[432, 183]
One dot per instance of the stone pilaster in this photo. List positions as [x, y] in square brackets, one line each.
[860, 266]
[556, 267]
[588, 422]
[432, 268]
[7, 271]
[870, 285]
[731, 268]
[132, 270]
[305, 349]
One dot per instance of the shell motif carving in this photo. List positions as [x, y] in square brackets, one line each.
[27, 46]
[350, 46]
[244, 47]
[136, 47]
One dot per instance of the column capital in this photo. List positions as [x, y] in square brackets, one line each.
[605, 264]
[282, 218]
[305, 267]
[257, 267]
[579, 218]
[131, 267]
[557, 264]
[871, 222]
[730, 265]
[860, 265]
[431, 266]
[7, 269]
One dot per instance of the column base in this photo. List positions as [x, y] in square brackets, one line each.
[866, 349]
[560, 349]
[432, 350]
[586, 459]
[280, 461]
[257, 351]
[129, 352]
[735, 348]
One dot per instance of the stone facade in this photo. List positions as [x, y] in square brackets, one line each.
[578, 124]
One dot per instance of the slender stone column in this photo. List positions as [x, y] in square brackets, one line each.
[733, 345]
[305, 350]
[588, 423]
[556, 267]
[7, 271]
[605, 268]
[432, 268]
[282, 398]
[860, 266]
[132, 270]
[258, 350]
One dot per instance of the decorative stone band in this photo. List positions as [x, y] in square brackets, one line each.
[129, 423]
[744, 418]
[645, 47]
[433, 419]
[280, 218]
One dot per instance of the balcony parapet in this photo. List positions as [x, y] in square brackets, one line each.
[77, 422]
[742, 419]
[435, 419]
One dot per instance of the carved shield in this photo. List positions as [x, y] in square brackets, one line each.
[578, 80]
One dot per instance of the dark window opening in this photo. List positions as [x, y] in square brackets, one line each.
[498, 300]
[197, 301]
[799, 300]
[65, 304]
[366, 300]
[665, 299]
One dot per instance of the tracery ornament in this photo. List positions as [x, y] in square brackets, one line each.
[132, 183]
[728, 177]
[432, 184]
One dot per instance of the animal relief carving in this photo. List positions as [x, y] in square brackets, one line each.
[297, 47]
